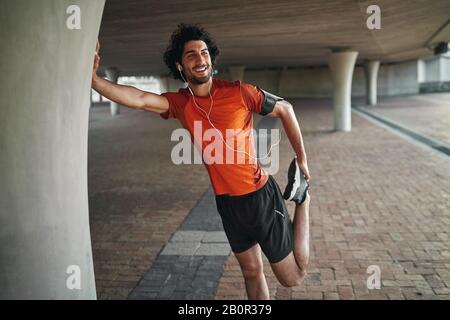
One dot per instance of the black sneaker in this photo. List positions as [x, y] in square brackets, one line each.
[297, 184]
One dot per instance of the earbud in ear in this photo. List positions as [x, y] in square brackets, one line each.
[181, 74]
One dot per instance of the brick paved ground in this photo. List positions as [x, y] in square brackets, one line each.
[434, 111]
[376, 199]
[137, 197]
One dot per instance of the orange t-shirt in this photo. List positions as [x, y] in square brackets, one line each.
[232, 172]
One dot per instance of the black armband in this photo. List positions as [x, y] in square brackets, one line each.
[269, 102]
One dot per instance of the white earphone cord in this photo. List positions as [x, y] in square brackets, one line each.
[218, 131]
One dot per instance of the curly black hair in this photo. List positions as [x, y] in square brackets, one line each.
[183, 34]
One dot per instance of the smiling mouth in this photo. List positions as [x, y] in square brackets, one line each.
[201, 69]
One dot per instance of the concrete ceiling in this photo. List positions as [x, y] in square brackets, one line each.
[268, 33]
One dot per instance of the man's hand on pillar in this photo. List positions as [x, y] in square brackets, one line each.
[96, 60]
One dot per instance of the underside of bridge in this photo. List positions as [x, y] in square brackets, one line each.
[266, 33]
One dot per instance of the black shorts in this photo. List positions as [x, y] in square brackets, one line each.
[258, 217]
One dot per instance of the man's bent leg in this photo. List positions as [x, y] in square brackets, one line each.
[252, 269]
[301, 233]
[287, 272]
[291, 271]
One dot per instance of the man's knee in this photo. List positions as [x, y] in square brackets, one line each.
[252, 270]
[303, 260]
[294, 281]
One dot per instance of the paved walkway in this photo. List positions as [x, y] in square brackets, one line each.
[377, 199]
[426, 113]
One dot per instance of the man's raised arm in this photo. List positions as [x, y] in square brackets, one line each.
[284, 110]
[127, 96]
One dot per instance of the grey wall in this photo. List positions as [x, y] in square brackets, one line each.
[306, 82]
[398, 79]
[445, 68]
[437, 68]
[169, 84]
[316, 82]
[433, 70]
[266, 79]
[44, 104]
[435, 74]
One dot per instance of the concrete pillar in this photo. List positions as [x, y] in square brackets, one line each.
[421, 71]
[113, 75]
[371, 70]
[341, 66]
[45, 244]
[236, 73]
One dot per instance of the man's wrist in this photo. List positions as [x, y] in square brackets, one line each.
[94, 80]
[301, 158]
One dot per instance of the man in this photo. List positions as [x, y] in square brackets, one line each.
[249, 200]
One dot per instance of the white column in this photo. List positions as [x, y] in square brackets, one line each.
[341, 66]
[113, 75]
[371, 70]
[236, 73]
[45, 243]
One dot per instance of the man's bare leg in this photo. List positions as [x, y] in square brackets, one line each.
[252, 269]
[291, 271]
[301, 233]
